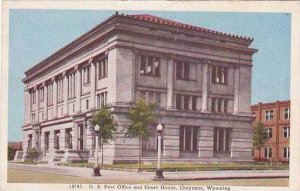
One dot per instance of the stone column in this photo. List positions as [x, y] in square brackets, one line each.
[54, 98]
[45, 102]
[205, 81]
[78, 90]
[236, 90]
[206, 142]
[27, 106]
[93, 85]
[37, 105]
[170, 84]
[171, 141]
[65, 94]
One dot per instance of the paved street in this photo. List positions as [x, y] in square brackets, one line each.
[123, 175]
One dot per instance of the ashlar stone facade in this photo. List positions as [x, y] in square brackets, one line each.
[200, 78]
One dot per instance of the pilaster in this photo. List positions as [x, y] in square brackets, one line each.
[45, 102]
[93, 85]
[236, 90]
[170, 84]
[54, 98]
[78, 90]
[205, 74]
[65, 94]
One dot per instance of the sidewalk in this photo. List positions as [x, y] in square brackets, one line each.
[169, 176]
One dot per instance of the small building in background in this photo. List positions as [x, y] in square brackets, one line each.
[275, 117]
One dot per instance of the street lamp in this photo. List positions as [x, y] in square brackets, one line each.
[97, 168]
[159, 170]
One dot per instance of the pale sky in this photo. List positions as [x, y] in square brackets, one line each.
[36, 34]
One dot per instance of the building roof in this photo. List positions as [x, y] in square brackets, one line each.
[84, 39]
[271, 104]
[155, 19]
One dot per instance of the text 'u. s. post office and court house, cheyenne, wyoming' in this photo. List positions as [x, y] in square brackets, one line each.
[200, 78]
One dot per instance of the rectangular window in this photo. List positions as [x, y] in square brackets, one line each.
[183, 70]
[219, 75]
[287, 113]
[222, 140]
[219, 105]
[86, 75]
[268, 152]
[194, 103]
[188, 139]
[186, 102]
[102, 68]
[286, 132]
[286, 152]
[270, 132]
[269, 115]
[101, 99]
[56, 139]
[60, 90]
[71, 86]
[47, 141]
[29, 143]
[69, 138]
[150, 66]
[178, 102]
[87, 104]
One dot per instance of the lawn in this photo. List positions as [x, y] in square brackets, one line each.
[23, 176]
[188, 167]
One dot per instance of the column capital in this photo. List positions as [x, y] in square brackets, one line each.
[64, 74]
[53, 78]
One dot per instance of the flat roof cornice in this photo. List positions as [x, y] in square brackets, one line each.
[108, 26]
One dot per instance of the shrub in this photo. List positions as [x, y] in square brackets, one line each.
[33, 154]
[10, 153]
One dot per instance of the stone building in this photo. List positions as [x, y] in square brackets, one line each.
[275, 117]
[200, 78]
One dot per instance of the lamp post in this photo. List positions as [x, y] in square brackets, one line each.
[159, 170]
[97, 168]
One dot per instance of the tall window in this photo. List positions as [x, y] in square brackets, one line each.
[56, 139]
[183, 70]
[101, 99]
[150, 66]
[29, 144]
[60, 90]
[50, 94]
[33, 118]
[41, 94]
[219, 75]
[270, 132]
[286, 132]
[71, 86]
[102, 68]
[269, 115]
[86, 75]
[87, 104]
[188, 139]
[287, 113]
[286, 152]
[69, 138]
[222, 140]
[268, 152]
[151, 96]
[219, 105]
[46, 141]
[33, 97]
[186, 102]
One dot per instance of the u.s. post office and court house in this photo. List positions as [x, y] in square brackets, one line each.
[200, 78]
